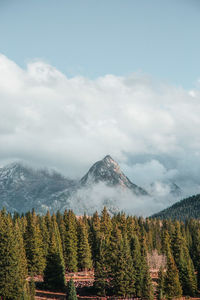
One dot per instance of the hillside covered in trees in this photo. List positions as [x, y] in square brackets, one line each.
[182, 210]
[120, 250]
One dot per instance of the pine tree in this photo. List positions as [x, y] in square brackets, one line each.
[12, 273]
[54, 272]
[101, 269]
[161, 284]
[147, 291]
[45, 236]
[20, 253]
[95, 236]
[71, 240]
[172, 284]
[123, 271]
[166, 242]
[196, 253]
[71, 291]
[137, 263]
[34, 245]
[105, 223]
[84, 251]
[184, 263]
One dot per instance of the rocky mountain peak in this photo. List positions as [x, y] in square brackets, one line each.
[108, 171]
[108, 159]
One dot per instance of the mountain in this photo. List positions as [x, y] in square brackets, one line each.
[185, 209]
[23, 188]
[108, 171]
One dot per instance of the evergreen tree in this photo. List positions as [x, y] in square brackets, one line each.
[123, 271]
[71, 240]
[21, 254]
[137, 263]
[166, 242]
[161, 284]
[12, 273]
[196, 253]
[184, 263]
[105, 223]
[45, 236]
[147, 291]
[71, 291]
[172, 284]
[34, 245]
[54, 273]
[101, 271]
[95, 236]
[84, 251]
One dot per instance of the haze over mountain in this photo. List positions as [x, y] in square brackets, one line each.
[23, 188]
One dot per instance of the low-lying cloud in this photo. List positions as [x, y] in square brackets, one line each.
[150, 128]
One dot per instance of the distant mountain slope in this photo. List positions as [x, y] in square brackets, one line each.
[23, 188]
[182, 210]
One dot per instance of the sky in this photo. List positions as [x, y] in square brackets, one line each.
[94, 38]
[83, 79]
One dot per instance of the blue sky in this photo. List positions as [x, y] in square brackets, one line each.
[93, 38]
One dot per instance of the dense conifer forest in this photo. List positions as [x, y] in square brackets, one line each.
[182, 210]
[120, 249]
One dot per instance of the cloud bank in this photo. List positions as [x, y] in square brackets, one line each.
[151, 129]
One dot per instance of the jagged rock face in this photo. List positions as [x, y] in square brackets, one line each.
[108, 171]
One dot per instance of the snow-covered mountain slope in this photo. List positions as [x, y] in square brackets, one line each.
[23, 188]
[108, 171]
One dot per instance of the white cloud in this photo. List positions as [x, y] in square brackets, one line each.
[50, 120]
[148, 172]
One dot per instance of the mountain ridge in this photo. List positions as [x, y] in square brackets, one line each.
[23, 188]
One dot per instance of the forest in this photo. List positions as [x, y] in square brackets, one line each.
[119, 249]
[182, 210]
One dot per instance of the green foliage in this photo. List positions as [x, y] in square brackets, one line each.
[116, 247]
[71, 291]
[172, 284]
[54, 273]
[183, 210]
[184, 262]
[34, 245]
[84, 251]
[12, 265]
[123, 271]
[137, 263]
[147, 291]
[161, 284]
[101, 274]
[70, 242]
